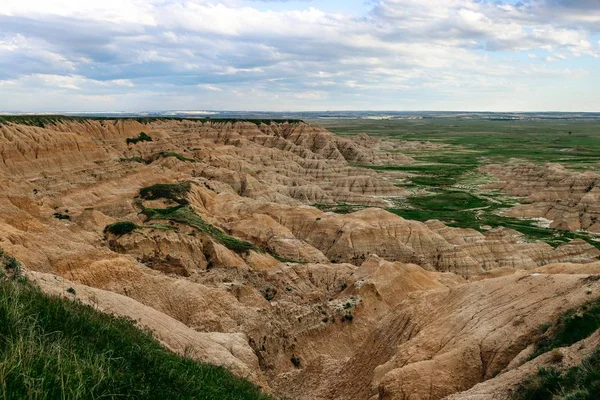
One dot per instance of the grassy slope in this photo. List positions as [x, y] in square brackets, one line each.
[581, 382]
[53, 348]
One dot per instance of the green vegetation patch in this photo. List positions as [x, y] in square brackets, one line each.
[287, 260]
[126, 227]
[143, 137]
[121, 228]
[439, 171]
[572, 326]
[581, 382]
[475, 219]
[180, 157]
[56, 348]
[186, 215]
[339, 208]
[59, 215]
[449, 200]
[176, 192]
[9, 265]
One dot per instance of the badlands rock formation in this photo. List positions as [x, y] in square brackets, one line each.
[570, 200]
[239, 267]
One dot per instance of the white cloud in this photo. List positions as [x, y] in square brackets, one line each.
[168, 49]
[211, 87]
[310, 95]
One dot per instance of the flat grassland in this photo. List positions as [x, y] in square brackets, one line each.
[444, 181]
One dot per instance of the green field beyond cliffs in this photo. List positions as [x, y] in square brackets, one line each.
[445, 183]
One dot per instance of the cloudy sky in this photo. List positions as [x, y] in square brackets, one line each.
[133, 55]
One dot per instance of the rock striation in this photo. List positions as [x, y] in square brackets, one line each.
[569, 200]
[241, 268]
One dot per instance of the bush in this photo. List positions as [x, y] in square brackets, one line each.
[540, 386]
[120, 228]
[285, 259]
[295, 361]
[556, 356]
[143, 137]
[9, 266]
[176, 192]
[269, 293]
[61, 216]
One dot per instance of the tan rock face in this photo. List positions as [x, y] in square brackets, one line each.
[570, 200]
[326, 306]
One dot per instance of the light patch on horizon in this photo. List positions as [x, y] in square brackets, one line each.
[135, 55]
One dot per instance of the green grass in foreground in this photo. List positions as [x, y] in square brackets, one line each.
[55, 348]
[581, 382]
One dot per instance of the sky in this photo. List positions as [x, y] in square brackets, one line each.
[299, 55]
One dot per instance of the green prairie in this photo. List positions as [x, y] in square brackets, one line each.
[445, 183]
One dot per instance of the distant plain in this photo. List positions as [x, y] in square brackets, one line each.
[445, 183]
